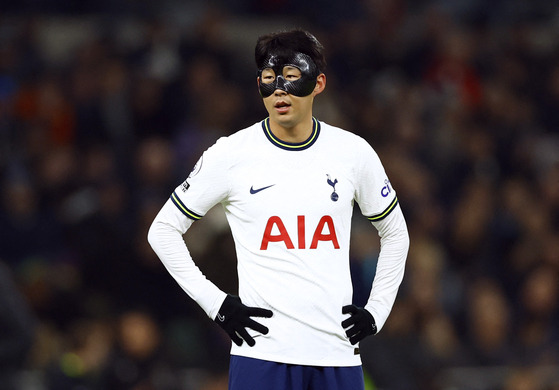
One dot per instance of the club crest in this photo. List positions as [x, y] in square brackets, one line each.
[334, 196]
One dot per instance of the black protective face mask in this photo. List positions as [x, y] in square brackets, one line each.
[300, 87]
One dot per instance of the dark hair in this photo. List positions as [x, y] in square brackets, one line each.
[286, 43]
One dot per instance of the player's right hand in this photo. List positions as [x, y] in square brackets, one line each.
[234, 317]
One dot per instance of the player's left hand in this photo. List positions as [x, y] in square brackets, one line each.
[359, 325]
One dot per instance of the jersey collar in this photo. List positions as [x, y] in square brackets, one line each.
[288, 145]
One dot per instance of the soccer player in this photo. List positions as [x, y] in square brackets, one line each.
[288, 186]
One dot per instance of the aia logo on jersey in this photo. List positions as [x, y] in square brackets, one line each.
[324, 231]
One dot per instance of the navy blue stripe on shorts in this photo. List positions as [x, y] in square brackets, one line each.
[254, 374]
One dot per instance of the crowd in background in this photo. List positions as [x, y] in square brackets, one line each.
[104, 112]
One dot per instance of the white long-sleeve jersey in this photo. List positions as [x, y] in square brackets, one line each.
[289, 207]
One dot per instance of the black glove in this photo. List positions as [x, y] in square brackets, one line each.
[360, 323]
[234, 317]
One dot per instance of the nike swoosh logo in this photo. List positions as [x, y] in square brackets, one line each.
[221, 317]
[254, 191]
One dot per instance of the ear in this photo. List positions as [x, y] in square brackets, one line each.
[320, 84]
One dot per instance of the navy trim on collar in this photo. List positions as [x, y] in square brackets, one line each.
[289, 145]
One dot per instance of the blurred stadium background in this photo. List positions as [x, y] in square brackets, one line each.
[106, 105]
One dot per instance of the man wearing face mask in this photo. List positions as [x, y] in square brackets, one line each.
[288, 185]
